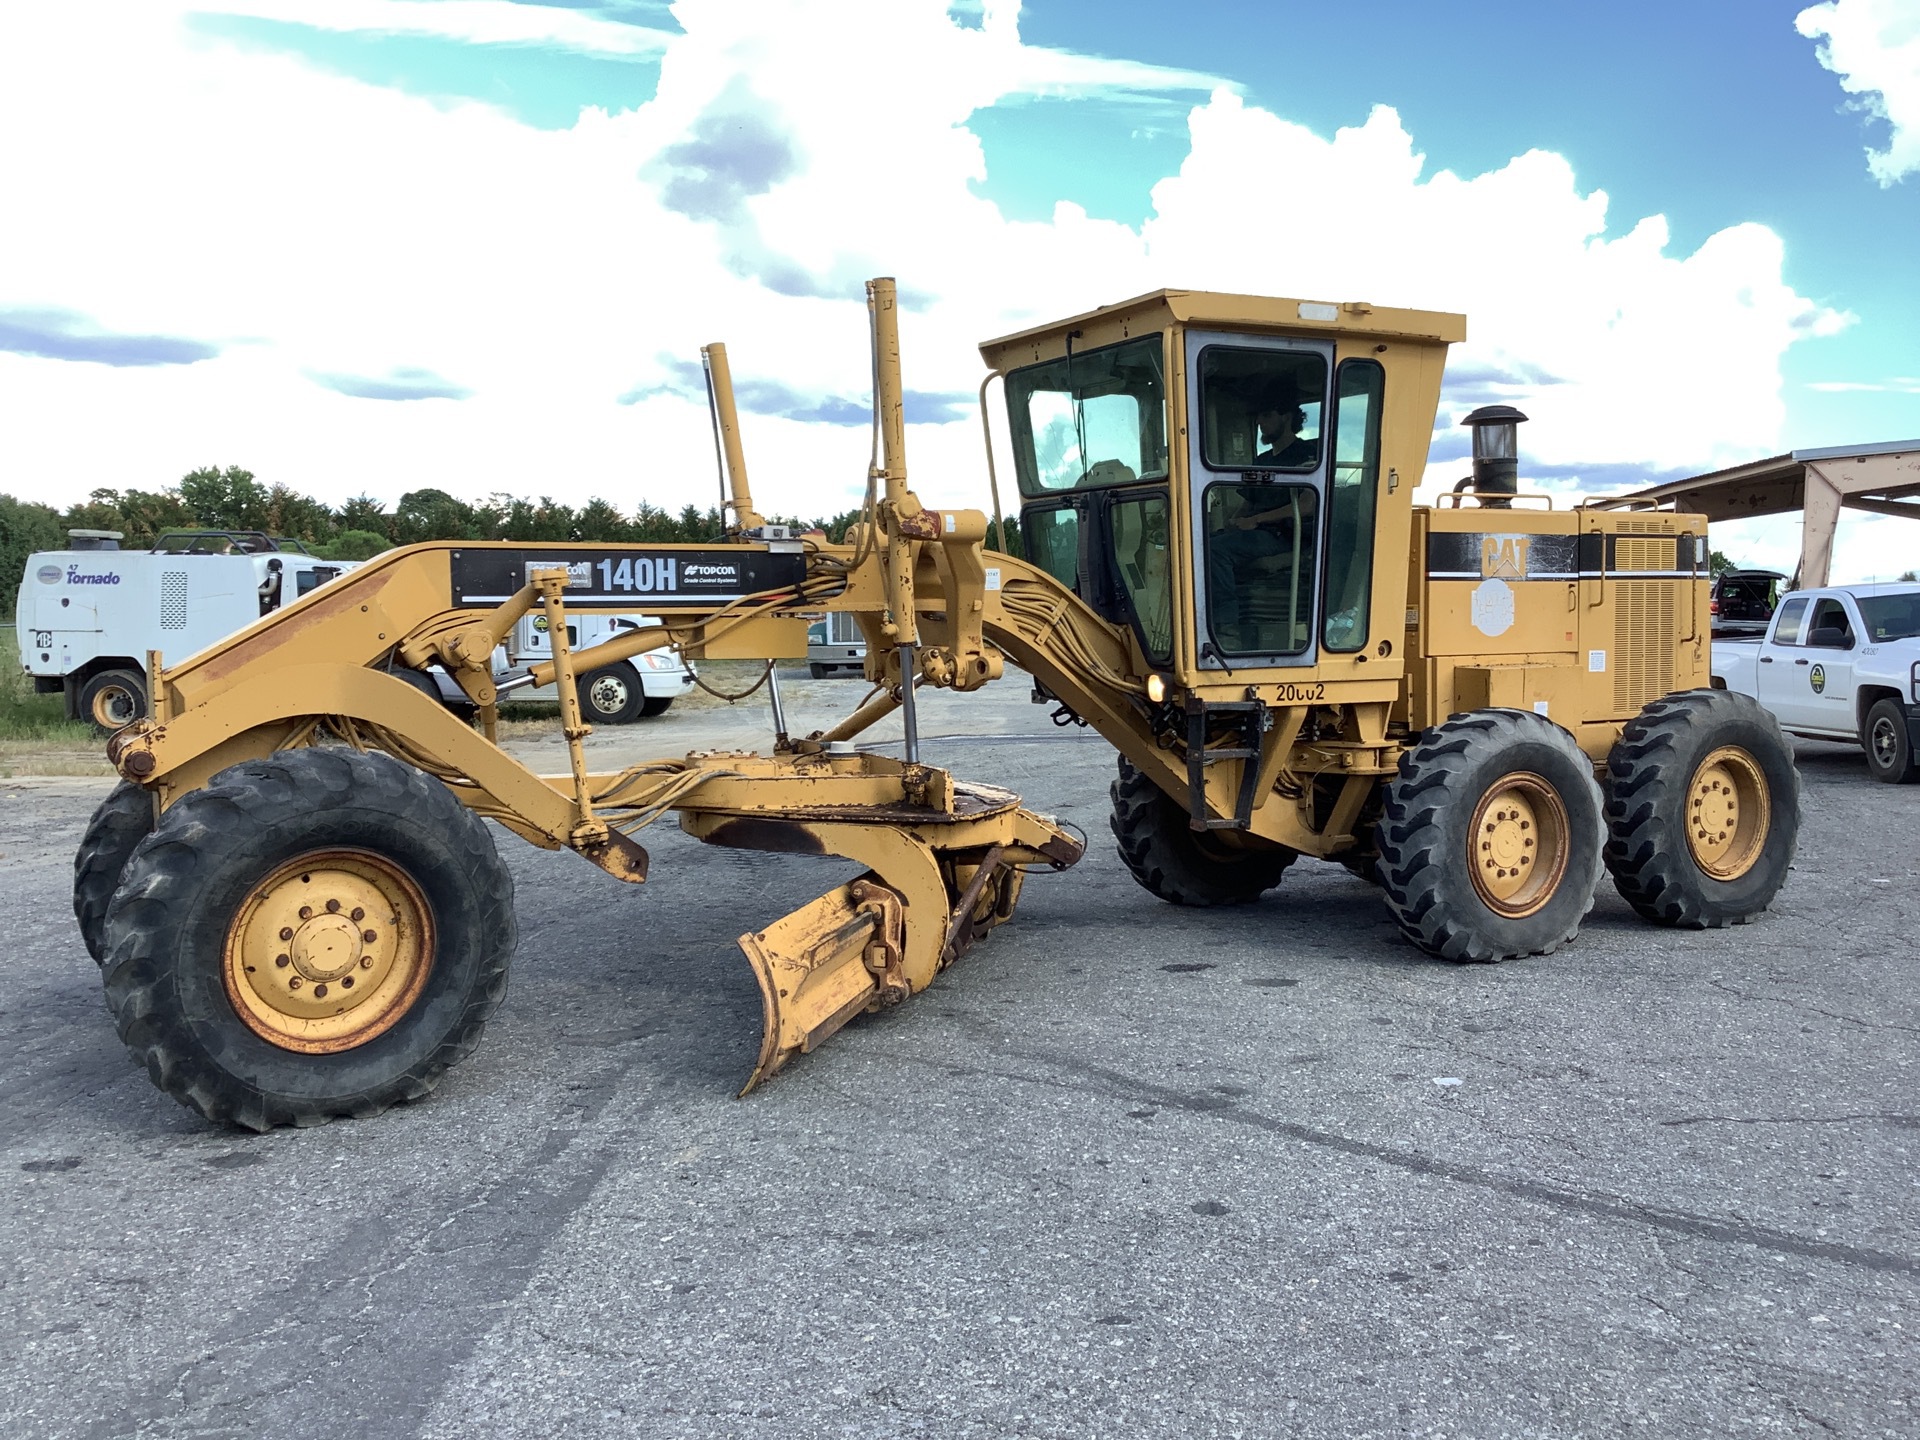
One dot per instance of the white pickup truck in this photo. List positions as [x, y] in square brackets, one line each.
[1841, 663]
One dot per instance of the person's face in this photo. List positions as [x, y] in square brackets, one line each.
[1278, 427]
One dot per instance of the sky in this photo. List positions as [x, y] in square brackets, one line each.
[364, 246]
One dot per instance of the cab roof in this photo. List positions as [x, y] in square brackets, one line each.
[1209, 309]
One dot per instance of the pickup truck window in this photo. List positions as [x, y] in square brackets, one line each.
[1890, 617]
[1786, 630]
[1831, 629]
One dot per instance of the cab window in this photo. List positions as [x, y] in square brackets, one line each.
[1090, 420]
[1261, 544]
[1786, 630]
[1261, 409]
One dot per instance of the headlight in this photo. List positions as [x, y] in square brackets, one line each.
[1915, 685]
[661, 660]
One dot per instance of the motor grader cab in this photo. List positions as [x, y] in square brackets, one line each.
[300, 914]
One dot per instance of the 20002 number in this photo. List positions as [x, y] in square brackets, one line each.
[1291, 694]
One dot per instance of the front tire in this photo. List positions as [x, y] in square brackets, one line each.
[654, 705]
[610, 696]
[315, 934]
[113, 699]
[1703, 810]
[1889, 745]
[124, 819]
[1178, 864]
[1490, 837]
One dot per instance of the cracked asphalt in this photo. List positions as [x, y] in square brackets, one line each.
[1125, 1170]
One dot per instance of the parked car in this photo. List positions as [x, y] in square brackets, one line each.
[88, 615]
[1841, 663]
[1743, 601]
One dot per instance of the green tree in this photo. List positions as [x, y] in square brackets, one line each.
[364, 513]
[229, 499]
[598, 520]
[149, 512]
[300, 516]
[25, 526]
[433, 515]
[1718, 563]
[355, 545]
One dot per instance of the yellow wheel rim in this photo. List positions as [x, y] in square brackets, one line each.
[1517, 848]
[1728, 814]
[113, 707]
[328, 951]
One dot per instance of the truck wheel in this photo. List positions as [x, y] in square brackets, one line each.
[816, 670]
[113, 698]
[122, 822]
[655, 705]
[1180, 865]
[1490, 837]
[1889, 745]
[610, 696]
[320, 933]
[1703, 810]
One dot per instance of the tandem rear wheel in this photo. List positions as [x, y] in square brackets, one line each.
[1703, 810]
[1490, 837]
[319, 933]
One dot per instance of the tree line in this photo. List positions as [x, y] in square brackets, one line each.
[234, 499]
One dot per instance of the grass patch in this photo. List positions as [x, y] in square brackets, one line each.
[36, 738]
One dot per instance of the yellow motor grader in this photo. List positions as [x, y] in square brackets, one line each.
[300, 913]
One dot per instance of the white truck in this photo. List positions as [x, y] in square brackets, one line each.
[613, 695]
[1840, 663]
[88, 615]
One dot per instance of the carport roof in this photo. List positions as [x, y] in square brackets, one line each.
[1867, 477]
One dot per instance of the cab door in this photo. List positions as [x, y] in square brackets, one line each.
[1257, 454]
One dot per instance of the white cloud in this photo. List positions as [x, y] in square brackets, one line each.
[318, 226]
[1873, 47]
[483, 22]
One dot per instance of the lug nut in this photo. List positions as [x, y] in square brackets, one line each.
[347, 984]
[306, 912]
[293, 982]
[369, 936]
[286, 932]
[333, 907]
[357, 914]
[366, 962]
[281, 961]
[319, 992]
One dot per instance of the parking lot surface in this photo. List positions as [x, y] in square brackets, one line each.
[1125, 1170]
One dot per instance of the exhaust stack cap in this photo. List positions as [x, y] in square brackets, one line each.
[1496, 448]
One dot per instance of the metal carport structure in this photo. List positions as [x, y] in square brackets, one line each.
[1881, 479]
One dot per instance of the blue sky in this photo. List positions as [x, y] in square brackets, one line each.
[367, 245]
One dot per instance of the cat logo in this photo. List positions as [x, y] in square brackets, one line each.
[1818, 676]
[1504, 556]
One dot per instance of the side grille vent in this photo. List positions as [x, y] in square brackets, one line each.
[1644, 640]
[173, 599]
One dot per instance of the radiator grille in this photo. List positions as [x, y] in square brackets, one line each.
[1643, 527]
[1644, 640]
[173, 599]
[1632, 554]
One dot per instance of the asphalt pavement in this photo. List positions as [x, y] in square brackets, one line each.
[1125, 1170]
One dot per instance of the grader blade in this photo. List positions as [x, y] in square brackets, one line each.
[943, 869]
[822, 965]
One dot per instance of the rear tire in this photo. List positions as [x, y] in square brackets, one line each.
[124, 819]
[1181, 865]
[610, 696]
[1889, 745]
[1703, 810]
[1490, 837]
[113, 699]
[221, 989]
